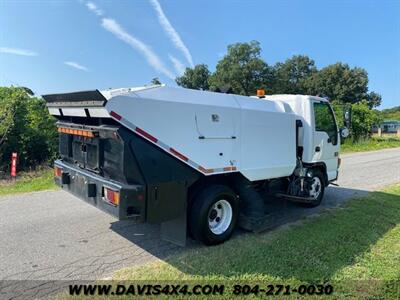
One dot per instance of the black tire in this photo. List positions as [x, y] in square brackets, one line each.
[318, 200]
[200, 211]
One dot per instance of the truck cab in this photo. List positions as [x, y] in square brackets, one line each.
[319, 136]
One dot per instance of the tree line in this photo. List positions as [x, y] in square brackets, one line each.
[392, 113]
[242, 71]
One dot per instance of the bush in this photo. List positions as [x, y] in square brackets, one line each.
[27, 128]
[362, 119]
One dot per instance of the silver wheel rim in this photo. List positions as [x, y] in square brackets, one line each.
[220, 217]
[316, 186]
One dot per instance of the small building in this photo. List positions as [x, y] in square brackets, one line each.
[387, 126]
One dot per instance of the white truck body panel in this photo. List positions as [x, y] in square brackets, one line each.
[72, 111]
[255, 136]
[98, 112]
[300, 106]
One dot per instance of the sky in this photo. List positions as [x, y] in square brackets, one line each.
[70, 45]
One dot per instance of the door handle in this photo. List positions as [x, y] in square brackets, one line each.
[155, 194]
[317, 149]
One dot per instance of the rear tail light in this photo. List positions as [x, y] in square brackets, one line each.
[111, 196]
[57, 171]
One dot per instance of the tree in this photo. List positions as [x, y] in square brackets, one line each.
[340, 83]
[374, 99]
[196, 78]
[155, 81]
[13, 114]
[391, 113]
[291, 75]
[241, 70]
[26, 127]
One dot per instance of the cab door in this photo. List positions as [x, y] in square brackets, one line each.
[326, 138]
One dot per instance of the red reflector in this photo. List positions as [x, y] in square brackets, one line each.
[57, 172]
[229, 169]
[146, 135]
[115, 115]
[140, 197]
[204, 170]
[110, 195]
[176, 153]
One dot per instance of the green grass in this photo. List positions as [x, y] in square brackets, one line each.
[29, 182]
[356, 248]
[372, 144]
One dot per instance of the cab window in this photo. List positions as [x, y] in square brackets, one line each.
[325, 121]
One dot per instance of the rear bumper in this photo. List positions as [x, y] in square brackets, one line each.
[90, 188]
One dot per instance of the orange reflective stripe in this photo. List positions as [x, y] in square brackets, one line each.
[80, 132]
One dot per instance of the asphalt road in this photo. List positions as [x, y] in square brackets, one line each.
[52, 235]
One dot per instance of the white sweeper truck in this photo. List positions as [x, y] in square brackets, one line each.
[194, 161]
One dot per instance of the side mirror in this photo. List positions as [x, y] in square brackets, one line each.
[347, 115]
[344, 132]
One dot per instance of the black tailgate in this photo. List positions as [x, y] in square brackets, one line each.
[84, 98]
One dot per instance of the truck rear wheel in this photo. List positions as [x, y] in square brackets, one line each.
[213, 214]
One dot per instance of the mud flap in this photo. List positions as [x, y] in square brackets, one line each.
[253, 214]
[167, 205]
[174, 231]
